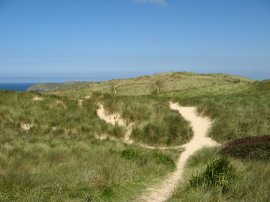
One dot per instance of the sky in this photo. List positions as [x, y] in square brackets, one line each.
[67, 40]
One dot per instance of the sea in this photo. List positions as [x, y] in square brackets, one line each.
[15, 86]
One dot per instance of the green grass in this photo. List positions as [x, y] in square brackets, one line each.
[251, 184]
[145, 85]
[76, 170]
[58, 158]
[239, 110]
[219, 173]
[52, 117]
[239, 106]
[154, 122]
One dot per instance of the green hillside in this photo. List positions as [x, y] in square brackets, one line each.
[50, 150]
[144, 85]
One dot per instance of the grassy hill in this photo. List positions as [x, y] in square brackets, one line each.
[50, 151]
[145, 85]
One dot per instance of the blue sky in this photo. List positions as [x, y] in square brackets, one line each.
[61, 40]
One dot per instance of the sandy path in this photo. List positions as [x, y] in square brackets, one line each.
[200, 125]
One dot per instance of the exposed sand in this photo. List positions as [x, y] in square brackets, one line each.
[114, 119]
[26, 126]
[87, 97]
[200, 125]
[36, 98]
[80, 103]
[102, 137]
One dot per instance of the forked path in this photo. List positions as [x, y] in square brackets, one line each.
[200, 126]
[162, 192]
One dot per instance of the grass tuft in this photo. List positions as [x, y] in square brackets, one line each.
[218, 173]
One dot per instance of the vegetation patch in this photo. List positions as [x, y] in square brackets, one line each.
[251, 183]
[239, 110]
[49, 152]
[263, 85]
[76, 170]
[140, 157]
[251, 148]
[154, 122]
[144, 85]
[58, 157]
[218, 173]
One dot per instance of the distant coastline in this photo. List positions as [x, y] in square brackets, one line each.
[15, 86]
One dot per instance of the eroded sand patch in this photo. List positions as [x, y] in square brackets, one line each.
[26, 126]
[37, 98]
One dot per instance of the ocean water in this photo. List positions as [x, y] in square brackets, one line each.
[15, 86]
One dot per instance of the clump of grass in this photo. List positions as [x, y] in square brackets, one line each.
[219, 173]
[131, 153]
[140, 157]
[164, 159]
[251, 148]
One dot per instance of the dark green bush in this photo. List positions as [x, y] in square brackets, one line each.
[219, 173]
[130, 154]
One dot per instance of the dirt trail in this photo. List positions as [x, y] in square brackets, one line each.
[200, 125]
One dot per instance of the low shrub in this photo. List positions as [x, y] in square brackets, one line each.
[251, 148]
[219, 173]
[131, 154]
